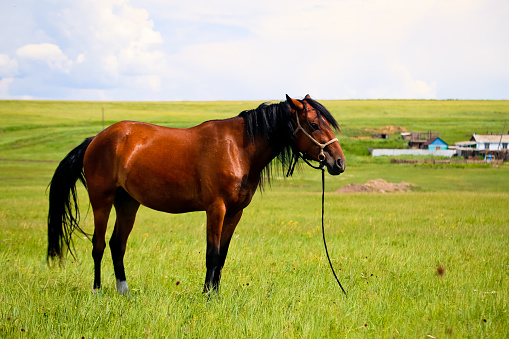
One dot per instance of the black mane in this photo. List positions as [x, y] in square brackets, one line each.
[272, 121]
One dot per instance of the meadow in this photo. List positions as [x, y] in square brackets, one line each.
[431, 263]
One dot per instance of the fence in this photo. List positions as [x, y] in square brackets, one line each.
[445, 161]
[376, 152]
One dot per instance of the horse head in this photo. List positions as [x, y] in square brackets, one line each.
[314, 136]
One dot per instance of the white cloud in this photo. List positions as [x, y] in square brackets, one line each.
[335, 49]
[93, 46]
[401, 84]
[112, 37]
[8, 66]
[4, 87]
[48, 53]
[152, 82]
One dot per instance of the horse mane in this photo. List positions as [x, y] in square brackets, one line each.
[272, 121]
[323, 112]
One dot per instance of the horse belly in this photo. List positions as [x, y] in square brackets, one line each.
[171, 203]
[164, 193]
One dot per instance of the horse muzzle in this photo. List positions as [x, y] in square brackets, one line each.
[336, 167]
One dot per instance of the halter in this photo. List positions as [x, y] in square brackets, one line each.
[321, 155]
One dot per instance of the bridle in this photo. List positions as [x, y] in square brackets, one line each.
[321, 155]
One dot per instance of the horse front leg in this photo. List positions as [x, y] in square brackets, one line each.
[215, 219]
[229, 225]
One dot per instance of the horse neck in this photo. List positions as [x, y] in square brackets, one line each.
[261, 153]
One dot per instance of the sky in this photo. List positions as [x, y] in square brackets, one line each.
[165, 50]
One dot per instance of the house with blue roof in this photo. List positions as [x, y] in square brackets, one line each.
[435, 144]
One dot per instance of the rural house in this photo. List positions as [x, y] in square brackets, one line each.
[491, 142]
[436, 144]
[485, 145]
[418, 139]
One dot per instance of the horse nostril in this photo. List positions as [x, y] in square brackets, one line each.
[341, 164]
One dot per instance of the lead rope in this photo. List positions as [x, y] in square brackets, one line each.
[321, 167]
[323, 229]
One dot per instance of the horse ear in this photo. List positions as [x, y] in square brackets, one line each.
[294, 104]
[307, 96]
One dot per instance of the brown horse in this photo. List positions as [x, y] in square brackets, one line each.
[214, 167]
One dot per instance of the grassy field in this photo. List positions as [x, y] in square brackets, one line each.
[429, 263]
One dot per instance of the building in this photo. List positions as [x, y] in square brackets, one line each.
[485, 145]
[418, 139]
[435, 144]
[490, 142]
[380, 136]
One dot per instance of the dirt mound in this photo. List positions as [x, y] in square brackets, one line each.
[354, 188]
[376, 186]
[389, 129]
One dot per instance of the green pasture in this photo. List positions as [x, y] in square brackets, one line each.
[431, 263]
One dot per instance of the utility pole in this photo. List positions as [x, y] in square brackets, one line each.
[503, 130]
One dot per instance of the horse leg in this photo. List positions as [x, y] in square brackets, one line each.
[215, 218]
[229, 225]
[126, 208]
[101, 216]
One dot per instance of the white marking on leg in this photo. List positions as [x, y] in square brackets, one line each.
[122, 287]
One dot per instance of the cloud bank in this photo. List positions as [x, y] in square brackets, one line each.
[224, 50]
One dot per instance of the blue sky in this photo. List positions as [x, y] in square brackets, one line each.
[257, 50]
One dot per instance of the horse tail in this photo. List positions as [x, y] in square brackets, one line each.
[64, 215]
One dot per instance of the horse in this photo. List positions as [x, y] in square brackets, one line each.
[214, 167]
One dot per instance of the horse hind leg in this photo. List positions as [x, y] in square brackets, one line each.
[126, 208]
[102, 208]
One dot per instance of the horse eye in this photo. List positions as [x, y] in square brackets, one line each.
[314, 126]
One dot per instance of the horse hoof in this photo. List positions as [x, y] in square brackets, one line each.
[122, 287]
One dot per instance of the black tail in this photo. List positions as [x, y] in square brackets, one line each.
[63, 215]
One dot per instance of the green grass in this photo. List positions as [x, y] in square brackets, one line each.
[388, 249]
[50, 128]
